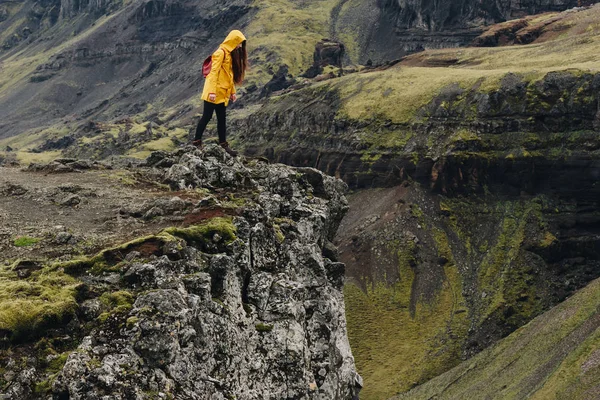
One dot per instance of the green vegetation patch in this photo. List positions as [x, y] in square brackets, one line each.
[222, 226]
[119, 302]
[109, 260]
[287, 31]
[28, 306]
[25, 241]
[552, 357]
[398, 344]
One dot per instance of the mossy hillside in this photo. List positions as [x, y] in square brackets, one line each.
[552, 357]
[494, 256]
[413, 105]
[23, 145]
[399, 340]
[133, 138]
[386, 113]
[285, 32]
[494, 237]
[502, 261]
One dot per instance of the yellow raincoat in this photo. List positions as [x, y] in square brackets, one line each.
[220, 79]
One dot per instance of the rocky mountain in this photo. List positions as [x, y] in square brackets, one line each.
[474, 209]
[235, 292]
[66, 62]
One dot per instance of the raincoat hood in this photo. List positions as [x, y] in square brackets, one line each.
[233, 40]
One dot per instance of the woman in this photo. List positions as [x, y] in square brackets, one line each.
[229, 65]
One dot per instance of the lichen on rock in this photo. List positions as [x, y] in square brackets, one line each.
[238, 306]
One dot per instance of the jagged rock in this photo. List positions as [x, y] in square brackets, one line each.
[327, 52]
[278, 82]
[11, 189]
[246, 309]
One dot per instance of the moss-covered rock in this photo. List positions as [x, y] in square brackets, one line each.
[46, 298]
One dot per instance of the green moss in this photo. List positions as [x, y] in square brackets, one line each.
[260, 327]
[464, 135]
[25, 241]
[131, 322]
[205, 232]
[28, 306]
[43, 388]
[278, 233]
[370, 158]
[548, 240]
[119, 302]
[57, 363]
[121, 298]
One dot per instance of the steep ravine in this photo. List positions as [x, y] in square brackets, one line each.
[486, 216]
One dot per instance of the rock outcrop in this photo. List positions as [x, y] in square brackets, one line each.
[241, 301]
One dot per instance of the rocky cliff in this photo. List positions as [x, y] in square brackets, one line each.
[241, 298]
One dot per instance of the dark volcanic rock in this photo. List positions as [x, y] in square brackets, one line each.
[327, 52]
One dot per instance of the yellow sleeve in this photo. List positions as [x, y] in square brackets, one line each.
[213, 75]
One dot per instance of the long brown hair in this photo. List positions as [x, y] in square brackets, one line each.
[239, 57]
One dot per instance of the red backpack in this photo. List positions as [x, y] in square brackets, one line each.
[207, 65]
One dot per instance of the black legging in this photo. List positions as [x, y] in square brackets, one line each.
[209, 108]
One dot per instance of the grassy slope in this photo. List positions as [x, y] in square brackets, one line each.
[395, 350]
[555, 356]
[395, 94]
[484, 244]
[287, 30]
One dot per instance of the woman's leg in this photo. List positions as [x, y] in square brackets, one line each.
[221, 122]
[222, 129]
[209, 108]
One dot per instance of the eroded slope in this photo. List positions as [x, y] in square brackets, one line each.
[555, 356]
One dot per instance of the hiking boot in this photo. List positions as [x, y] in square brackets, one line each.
[197, 144]
[228, 149]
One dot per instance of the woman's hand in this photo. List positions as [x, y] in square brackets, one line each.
[212, 97]
[233, 97]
